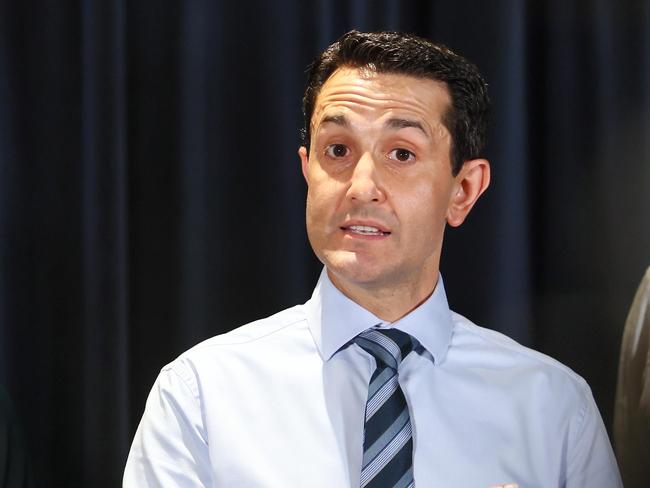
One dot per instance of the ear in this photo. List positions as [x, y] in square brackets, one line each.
[472, 180]
[304, 161]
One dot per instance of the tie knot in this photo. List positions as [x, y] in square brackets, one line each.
[387, 346]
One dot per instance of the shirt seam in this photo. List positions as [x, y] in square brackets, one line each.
[582, 413]
[173, 368]
[242, 342]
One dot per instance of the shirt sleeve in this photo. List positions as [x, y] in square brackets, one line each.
[591, 461]
[170, 447]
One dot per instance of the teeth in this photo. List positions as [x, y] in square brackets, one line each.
[365, 229]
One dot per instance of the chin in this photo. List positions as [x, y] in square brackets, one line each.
[346, 266]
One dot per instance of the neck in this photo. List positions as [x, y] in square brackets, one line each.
[389, 303]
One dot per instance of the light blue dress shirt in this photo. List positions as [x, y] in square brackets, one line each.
[279, 403]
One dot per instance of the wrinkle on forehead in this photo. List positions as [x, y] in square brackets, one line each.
[364, 91]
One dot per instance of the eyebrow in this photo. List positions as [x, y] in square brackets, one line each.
[336, 119]
[394, 123]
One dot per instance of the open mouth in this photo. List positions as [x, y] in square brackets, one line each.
[365, 230]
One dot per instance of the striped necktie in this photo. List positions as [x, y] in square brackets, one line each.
[388, 442]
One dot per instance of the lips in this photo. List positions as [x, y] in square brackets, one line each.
[365, 230]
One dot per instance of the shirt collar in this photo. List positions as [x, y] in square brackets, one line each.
[334, 320]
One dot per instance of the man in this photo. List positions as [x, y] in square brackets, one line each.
[374, 382]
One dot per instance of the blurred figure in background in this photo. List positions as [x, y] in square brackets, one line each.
[632, 410]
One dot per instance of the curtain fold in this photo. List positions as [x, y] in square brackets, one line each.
[104, 206]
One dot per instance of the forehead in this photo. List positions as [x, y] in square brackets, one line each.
[372, 94]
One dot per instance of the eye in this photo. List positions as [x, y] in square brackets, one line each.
[337, 150]
[401, 154]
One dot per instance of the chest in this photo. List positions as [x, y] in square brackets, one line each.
[305, 428]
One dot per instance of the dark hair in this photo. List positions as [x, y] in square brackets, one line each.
[395, 52]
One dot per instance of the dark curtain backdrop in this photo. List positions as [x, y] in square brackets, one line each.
[151, 197]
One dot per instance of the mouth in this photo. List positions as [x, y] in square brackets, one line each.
[365, 230]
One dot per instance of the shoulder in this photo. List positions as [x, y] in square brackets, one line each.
[257, 330]
[555, 401]
[554, 405]
[252, 344]
[492, 351]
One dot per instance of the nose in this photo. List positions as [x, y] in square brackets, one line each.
[365, 184]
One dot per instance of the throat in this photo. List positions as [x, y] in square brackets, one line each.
[389, 303]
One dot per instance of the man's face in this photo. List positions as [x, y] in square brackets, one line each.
[379, 178]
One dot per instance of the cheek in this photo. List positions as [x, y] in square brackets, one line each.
[425, 210]
[322, 196]
[318, 208]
